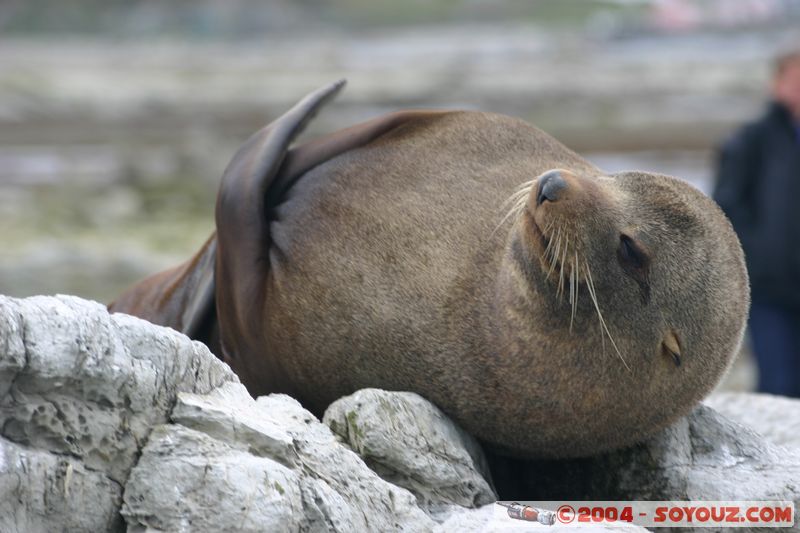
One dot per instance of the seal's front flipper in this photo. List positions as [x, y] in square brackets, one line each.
[181, 298]
[199, 315]
[243, 238]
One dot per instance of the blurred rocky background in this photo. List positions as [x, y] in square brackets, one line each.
[118, 117]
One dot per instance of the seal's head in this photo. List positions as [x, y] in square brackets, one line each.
[632, 289]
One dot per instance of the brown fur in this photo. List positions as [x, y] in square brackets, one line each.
[382, 265]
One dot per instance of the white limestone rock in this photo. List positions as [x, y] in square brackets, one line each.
[80, 391]
[777, 418]
[233, 463]
[411, 443]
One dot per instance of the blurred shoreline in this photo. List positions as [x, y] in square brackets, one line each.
[640, 92]
[110, 151]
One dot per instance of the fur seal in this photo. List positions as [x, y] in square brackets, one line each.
[551, 309]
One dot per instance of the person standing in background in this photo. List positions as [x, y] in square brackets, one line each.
[758, 187]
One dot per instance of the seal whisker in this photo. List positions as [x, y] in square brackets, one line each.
[571, 296]
[562, 260]
[512, 212]
[515, 203]
[593, 294]
[522, 190]
[547, 231]
[518, 199]
[590, 288]
[571, 281]
[573, 290]
[554, 253]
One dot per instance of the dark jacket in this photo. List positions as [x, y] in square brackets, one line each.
[758, 187]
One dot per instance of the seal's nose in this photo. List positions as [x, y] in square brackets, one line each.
[551, 187]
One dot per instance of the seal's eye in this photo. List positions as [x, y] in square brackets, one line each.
[630, 254]
[635, 262]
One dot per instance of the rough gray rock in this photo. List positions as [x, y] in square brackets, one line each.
[135, 425]
[80, 391]
[188, 481]
[706, 456]
[40, 491]
[409, 442]
[232, 463]
[777, 418]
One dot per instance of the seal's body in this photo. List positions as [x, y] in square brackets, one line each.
[550, 309]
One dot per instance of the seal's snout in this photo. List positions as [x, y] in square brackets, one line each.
[552, 186]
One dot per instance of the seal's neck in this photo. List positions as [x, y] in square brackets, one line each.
[525, 307]
[516, 304]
